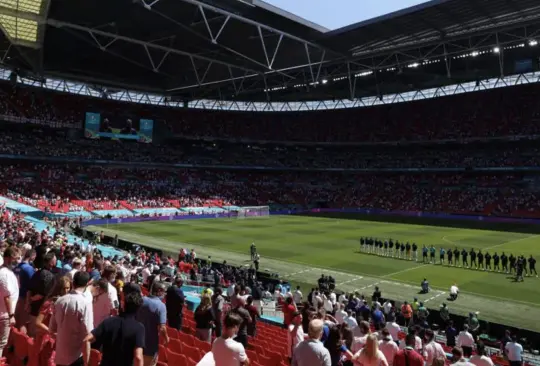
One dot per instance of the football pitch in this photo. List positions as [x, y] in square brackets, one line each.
[301, 248]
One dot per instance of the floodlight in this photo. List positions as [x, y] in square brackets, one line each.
[533, 42]
[496, 50]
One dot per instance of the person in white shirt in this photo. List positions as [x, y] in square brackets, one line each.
[417, 340]
[394, 329]
[480, 358]
[333, 298]
[465, 340]
[370, 355]
[340, 314]
[350, 320]
[387, 307]
[458, 359]
[454, 291]
[72, 320]
[146, 272]
[9, 293]
[297, 296]
[514, 352]
[295, 334]
[359, 342]
[230, 290]
[432, 349]
[327, 303]
[388, 347]
[342, 298]
[227, 351]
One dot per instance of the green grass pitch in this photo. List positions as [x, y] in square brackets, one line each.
[301, 248]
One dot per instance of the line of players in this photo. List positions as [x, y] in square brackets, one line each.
[479, 260]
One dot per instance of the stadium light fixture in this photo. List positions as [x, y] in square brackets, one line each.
[533, 42]
[496, 50]
[324, 81]
[414, 65]
[474, 53]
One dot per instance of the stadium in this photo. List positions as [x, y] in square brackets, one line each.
[173, 136]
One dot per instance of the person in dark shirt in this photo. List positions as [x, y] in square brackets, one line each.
[121, 338]
[402, 255]
[532, 266]
[480, 260]
[504, 262]
[40, 286]
[415, 251]
[450, 254]
[456, 256]
[408, 250]
[175, 304]
[451, 334]
[106, 126]
[204, 319]
[464, 260]
[473, 259]
[512, 260]
[488, 261]
[24, 273]
[377, 294]
[255, 314]
[496, 260]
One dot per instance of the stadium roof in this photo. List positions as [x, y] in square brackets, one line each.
[250, 50]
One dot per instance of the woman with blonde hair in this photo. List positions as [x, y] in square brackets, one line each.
[204, 319]
[370, 355]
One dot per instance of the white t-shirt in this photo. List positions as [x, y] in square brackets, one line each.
[228, 352]
[340, 316]
[454, 290]
[104, 304]
[207, 360]
[432, 351]
[230, 290]
[389, 350]
[293, 340]
[481, 360]
[351, 322]
[387, 306]
[417, 344]
[333, 298]
[379, 360]
[358, 343]
[9, 287]
[394, 330]
[145, 274]
[514, 351]
[465, 339]
[297, 297]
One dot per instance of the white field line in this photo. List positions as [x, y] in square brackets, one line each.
[512, 241]
[405, 270]
[349, 281]
[434, 297]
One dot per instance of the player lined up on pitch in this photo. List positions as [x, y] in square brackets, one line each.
[451, 257]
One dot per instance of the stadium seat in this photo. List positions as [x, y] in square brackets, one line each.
[162, 354]
[252, 355]
[175, 345]
[192, 352]
[186, 338]
[172, 333]
[201, 345]
[175, 358]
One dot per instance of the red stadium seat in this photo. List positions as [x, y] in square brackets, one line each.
[175, 359]
[175, 345]
[95, 358]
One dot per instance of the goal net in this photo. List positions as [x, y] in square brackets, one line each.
[253, 211]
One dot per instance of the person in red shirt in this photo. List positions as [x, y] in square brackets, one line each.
[288, 311]
[408, 356]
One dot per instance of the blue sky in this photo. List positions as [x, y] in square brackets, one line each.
[333, 14]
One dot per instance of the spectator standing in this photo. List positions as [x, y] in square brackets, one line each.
[121, 338]
[408, 356]
[226, 350]
[341, 314]
[72, 320]
[297, 296]
[407, 312]
[217, 306]
[451, 334]
[288, 310]
[246, 319]
[9, 293]
[174, 303]
[388, 347]
[153, 316]
[40, 286]
[465, 341]
[480, 358]
[370, 355]
[312, 352]
[458, 358]
[393, 329]
[295, 334]
[432, 349]
[24, 271]
[514, 352]
[204, 319]
[444, 313]
[254, 314]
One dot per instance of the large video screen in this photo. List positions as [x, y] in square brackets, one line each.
[102, 127]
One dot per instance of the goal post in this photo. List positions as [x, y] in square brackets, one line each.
[253, 211]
